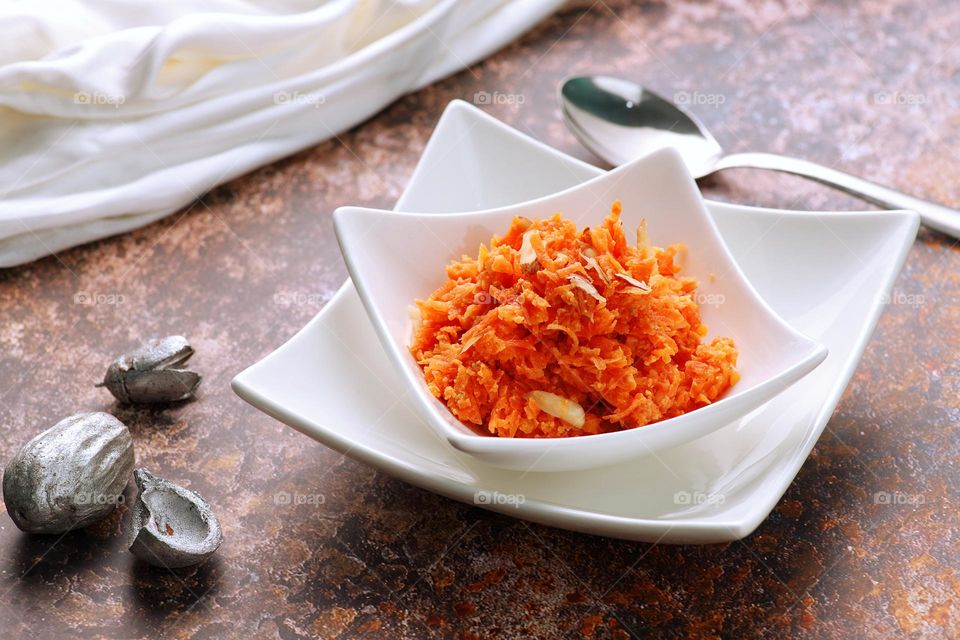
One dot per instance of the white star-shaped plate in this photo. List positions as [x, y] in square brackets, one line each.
[826, 274]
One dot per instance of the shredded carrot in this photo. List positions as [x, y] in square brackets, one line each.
[551, 332]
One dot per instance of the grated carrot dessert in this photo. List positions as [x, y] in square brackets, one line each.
[553, 332]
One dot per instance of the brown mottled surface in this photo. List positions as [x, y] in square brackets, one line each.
[869, 86]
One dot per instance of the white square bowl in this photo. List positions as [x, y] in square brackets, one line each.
[396, 258]
[334, 382]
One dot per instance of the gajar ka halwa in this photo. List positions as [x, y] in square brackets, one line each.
[553, 332]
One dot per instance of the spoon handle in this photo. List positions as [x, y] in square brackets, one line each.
[943, 219]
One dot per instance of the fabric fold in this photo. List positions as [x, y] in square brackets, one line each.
[127, 118]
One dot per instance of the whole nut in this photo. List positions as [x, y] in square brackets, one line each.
[171, 526]
[153, 373]
[69, 476]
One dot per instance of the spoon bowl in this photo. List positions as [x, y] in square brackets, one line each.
[620, 121]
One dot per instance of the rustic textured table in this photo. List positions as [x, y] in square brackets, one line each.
[871, 87]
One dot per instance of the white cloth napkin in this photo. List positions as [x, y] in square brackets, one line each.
[115, 113]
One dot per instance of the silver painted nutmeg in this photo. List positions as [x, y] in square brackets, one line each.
[69, 476]
[171, 526]
[153, 373]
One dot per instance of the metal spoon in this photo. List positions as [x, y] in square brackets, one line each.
[619, 121]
